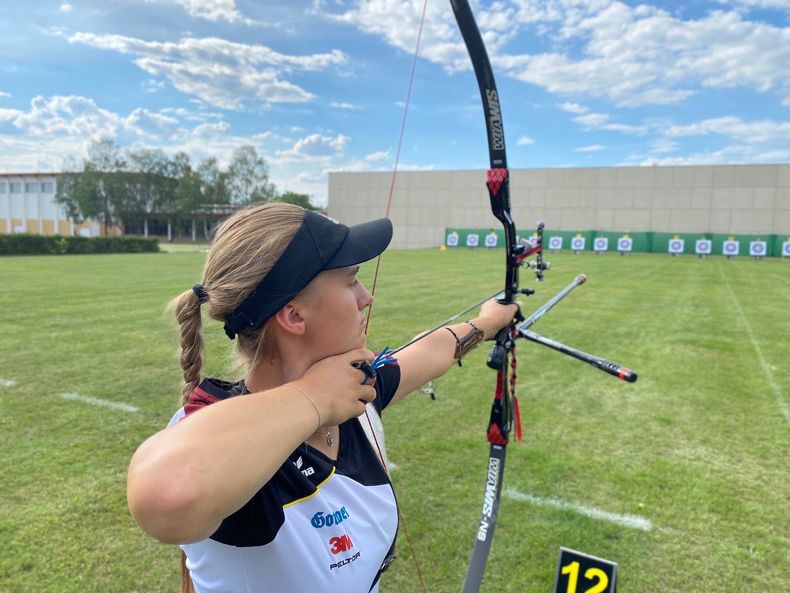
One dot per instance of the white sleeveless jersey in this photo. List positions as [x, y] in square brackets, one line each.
[317, 526]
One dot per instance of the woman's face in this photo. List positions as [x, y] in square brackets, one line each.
[335, 311]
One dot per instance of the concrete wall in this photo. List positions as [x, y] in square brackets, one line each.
[706, 199]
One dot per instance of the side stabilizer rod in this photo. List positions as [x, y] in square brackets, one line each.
[606, 366]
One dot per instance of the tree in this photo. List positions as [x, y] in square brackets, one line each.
[66, 194]
[101, 185]
[214, 183]
[302, 200]
[189, 195]
[248, 177]
[147, 184]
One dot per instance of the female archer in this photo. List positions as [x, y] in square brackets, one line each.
[270, 484]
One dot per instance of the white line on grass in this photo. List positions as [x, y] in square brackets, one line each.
[7, 383]
[99, 402]
[554, 503]
[780, 400]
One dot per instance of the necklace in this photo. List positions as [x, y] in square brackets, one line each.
[330, 440]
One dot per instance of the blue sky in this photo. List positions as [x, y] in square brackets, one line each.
[319, 85]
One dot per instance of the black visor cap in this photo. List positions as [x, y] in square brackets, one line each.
[320, 244]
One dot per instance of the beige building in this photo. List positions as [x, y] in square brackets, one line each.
[27, 205]
[724, 199]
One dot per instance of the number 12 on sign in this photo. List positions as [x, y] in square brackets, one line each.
[578, 572]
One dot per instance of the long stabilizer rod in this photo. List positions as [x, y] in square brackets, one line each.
[537, 315]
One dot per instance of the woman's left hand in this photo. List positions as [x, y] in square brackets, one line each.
[496, 315]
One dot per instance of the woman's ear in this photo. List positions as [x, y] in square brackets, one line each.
[290, 320]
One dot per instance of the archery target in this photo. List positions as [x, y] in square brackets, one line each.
[555, 243]
[704, 247]
[730, 248]
[676, 246]
[786, 249]
[601, 243]
[757, 248]
[472, 240]
[577, 244]
[492, 240]
[452, 239]
[625, 244]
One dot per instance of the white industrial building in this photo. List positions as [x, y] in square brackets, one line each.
[27, 205]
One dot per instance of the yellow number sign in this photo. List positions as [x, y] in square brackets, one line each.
[578, 572]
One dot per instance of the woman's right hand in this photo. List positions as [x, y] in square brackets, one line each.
[336, 387]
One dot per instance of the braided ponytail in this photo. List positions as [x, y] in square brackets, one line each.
[187, 312]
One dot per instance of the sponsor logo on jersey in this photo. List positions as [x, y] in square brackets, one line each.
[340, 543]
[320, 519]
[308, 471]
[344, 562]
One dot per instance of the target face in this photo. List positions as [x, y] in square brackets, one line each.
[601, 244]
[704, 247]
[492, 240]
[555, 243]
[730, 248]
[473, 240]
[452, 240]
[625, 244]
[786, 248]
[578, 243]
[757, 248]
[676, 245]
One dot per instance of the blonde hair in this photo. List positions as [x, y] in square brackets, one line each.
[245, 248]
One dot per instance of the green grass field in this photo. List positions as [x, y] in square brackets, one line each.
[697, 448]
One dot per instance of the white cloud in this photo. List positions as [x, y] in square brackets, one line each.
[590, 148]
[398, 23]
[210, 10]
[9, 115]
[269, 136]
[630, 55]
[315, 147]
[757, 132]
[66, 8]
[381, 155]
[663, 146]
[525, 141]
[770, 4]
[736, 153]
[71, 116]
[220, 72]
[153, 86]
[348, 106]
[573, 108]
[4, 94]
[592, 120]
[60, 126]
[600, 121]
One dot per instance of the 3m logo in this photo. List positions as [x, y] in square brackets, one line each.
[340, 544]
[308, 471]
